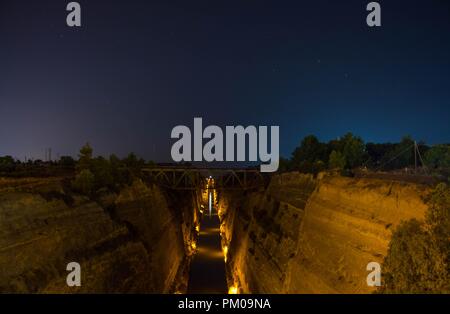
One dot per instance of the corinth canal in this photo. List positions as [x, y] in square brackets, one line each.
[207, 272]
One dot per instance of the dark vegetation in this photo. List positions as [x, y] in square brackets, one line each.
[344, 154]
[94, 174]
[351, 152]
[418, 259]
[88, 175]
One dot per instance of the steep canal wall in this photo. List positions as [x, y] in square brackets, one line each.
[138, 240]
[299, 235]
[313, 235]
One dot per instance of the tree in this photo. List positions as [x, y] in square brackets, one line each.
[102, 171]
[336, 160]
[379, 152]
[319, 166]
[6, 163]
[84, 182]
[67, 161]
[438, 216]
[117, 170]
[285, 165]
[85, 157]
[414, 263]
[401, 156]
[438, 156]
[418, 258]
[133, 164]
[308, 153]
[353, 150]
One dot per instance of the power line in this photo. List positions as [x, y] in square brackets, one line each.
[416, 153]
[420, 156]
[395, 157]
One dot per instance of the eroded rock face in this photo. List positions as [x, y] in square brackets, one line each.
[306, 235]
[130, 242]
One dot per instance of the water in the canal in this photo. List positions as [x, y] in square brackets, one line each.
[207, 273]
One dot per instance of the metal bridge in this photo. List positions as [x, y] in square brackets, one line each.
[190, 178]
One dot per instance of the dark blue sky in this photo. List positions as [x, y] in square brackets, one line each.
[138, 68]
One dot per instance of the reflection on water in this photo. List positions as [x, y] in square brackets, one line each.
[210, 202]
[210, 253]
[207, 273]
[210, 231]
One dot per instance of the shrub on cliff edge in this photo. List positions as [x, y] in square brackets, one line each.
[418, 259]
[84, 182]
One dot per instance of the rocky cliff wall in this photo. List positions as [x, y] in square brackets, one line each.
[306, 235]
[133, 241]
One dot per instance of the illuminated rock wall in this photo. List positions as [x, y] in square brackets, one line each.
[261, 230]
[305, 235]
[137, 241]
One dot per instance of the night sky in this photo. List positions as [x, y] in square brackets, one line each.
[135, 69]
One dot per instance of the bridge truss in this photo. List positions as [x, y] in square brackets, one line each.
[179, 178]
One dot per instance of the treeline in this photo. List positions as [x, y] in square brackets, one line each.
[350, 152]
[94, 174]
[91, 173]
[312, 156]
[15, 168]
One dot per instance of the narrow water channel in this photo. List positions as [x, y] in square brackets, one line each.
[207, 273]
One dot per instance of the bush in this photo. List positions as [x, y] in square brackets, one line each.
[6, 163]
[418, 257]
[336, 160]
[84, 182]
[100, 173]
[438, 156]
[85, 157]
[103, 173]
[319, 166]
[67, 162]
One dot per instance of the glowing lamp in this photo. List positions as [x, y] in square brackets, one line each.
[233, 290]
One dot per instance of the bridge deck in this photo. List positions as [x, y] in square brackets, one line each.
[192, 178]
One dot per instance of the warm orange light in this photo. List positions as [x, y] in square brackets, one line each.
[193, 245]
[225, 252]
[233, 290]
[197, 228]
[210, 253]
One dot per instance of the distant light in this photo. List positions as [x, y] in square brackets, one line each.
[233, 290]
[210, 203]
[193, 245]
[197, 228]
[225, 252]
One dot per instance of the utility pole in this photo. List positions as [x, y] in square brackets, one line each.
[415, 157]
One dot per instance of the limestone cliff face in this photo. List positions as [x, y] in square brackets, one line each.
[130, 242]
[261, 231]
[305, 235]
